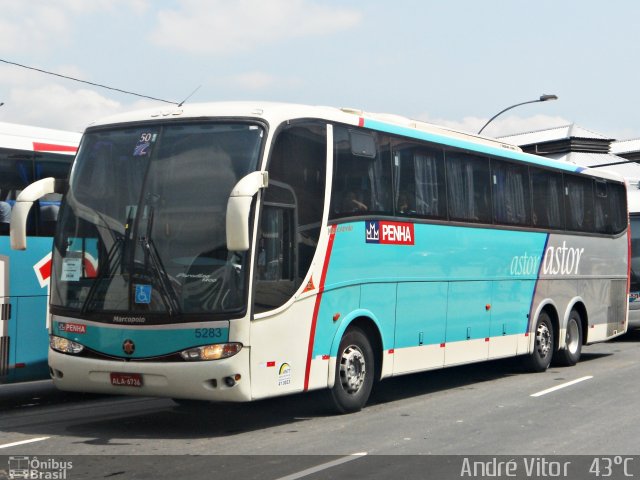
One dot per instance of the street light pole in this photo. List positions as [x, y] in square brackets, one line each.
[543, 98]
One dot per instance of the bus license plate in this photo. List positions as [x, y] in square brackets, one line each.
[126, 379]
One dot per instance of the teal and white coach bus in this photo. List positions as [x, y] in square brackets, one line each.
[237, 251]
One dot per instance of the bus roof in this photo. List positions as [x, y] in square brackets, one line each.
[274, 113]
[37, 139]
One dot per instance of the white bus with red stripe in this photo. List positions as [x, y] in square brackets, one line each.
[28, 154]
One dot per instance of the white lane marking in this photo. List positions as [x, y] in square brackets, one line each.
[23, 442]
[324, 466]
[558, 387]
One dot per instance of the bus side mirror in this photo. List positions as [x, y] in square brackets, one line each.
[23, 205]
[238, 208]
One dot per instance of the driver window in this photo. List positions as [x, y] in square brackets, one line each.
[291, 213]
[275, 259]
[275, 269]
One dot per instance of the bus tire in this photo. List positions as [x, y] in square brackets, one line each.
[540, 358]
[354, 373]
[570, 355]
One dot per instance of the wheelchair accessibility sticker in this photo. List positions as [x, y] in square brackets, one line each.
[143, 293]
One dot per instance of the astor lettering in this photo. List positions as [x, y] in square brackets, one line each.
[524, 265]
[562, 260]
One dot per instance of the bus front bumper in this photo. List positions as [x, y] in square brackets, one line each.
[218, 380]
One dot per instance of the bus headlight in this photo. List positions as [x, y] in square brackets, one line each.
[64, 345]
[212, 352]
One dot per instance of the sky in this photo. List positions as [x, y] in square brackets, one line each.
[454, 62]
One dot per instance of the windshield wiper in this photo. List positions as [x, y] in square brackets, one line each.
[167, 292]
[102, 272]
[117, 241]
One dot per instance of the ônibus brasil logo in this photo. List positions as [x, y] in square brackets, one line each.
[389, 233]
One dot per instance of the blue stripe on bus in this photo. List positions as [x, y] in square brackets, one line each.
[453, 284]
[535, 289]
[148, 343]
[475, 147]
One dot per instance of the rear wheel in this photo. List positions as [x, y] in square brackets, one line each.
[570, 355]
[540, 359]
[354, 372]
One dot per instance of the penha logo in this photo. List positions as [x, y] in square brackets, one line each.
[373, 232]
[72, 327]
[389, 233]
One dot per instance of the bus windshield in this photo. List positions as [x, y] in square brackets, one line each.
[141, 234]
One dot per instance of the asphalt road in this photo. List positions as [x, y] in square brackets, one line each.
[491, 409]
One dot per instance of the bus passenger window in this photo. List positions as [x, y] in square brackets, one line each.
[50, 165]
[419, 181]
[468, 187]
[579, 203]
[617, 195]
[16, 168]
[511, 199]
[548, 199]
[610, 207]
[361, 174]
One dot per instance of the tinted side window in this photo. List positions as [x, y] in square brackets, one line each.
[16, 172]
[579, 203]
[468, 187]
[419, 181]
[618, 207]
[548, 199]
[56, 166]
[610, 207]
[511, 198]
[298, 160]
[361, 174]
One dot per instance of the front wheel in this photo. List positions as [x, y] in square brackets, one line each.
[570, 355]
[540, 358]
[354, 372]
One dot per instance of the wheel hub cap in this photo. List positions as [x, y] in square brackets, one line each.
[352, 369]
[572, 337]
[543, 340]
